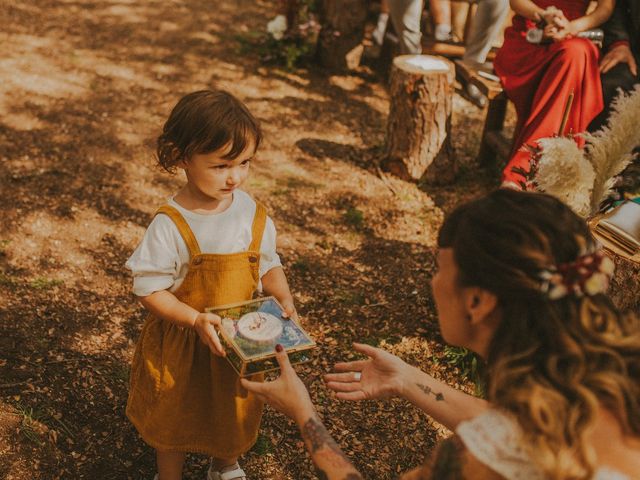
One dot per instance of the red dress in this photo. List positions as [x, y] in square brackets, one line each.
[538, 79]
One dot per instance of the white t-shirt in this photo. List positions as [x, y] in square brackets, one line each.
[161, 260]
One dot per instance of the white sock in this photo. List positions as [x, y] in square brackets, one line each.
[442, 32]
[381, 27]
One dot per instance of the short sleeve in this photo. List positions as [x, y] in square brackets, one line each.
[268, 256]
[155, 262]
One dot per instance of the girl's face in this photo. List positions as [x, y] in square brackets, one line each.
[448, 296]
[214, 178]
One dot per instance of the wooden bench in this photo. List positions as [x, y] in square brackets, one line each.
[494, 142]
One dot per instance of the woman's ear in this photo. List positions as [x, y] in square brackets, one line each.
[480, 304]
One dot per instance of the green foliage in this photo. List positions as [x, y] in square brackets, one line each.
[301, 265]
[43, 283]
[28, 424]
[354, 217]
[263, 445]
[294, 48]
[351, 298]
[468, 364]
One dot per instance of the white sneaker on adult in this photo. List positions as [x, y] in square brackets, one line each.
[232, 472]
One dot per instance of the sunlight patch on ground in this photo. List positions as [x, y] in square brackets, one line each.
[63, 249]
[22, 121]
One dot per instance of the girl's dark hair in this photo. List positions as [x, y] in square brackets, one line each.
[551, 363]
[203, 122]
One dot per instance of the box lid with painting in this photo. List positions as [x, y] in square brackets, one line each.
[250, 331]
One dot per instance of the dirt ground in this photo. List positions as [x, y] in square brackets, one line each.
[84, 89]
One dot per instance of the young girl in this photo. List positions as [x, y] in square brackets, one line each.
[211, 244]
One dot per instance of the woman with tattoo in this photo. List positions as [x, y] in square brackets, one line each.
[522, 283]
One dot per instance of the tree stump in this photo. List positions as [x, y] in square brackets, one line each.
[625, 285]
[418, 130]
[340, 41]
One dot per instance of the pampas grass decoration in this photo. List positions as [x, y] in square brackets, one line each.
[610, 149]
[563, 171]
[584, 178]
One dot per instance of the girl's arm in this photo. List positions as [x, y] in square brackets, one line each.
[274, 283]
[165, 305]
[385, 375]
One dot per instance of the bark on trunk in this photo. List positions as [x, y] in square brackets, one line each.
[418, 130]
[340, 41]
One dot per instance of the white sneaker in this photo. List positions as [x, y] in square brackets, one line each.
[233, 472]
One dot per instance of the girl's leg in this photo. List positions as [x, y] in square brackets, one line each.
[220, 463]
[170, 465]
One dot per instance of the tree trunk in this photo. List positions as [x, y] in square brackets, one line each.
[419, 125]
[625, 285]
[340, 42]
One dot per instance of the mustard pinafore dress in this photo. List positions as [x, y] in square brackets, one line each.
[182, 397]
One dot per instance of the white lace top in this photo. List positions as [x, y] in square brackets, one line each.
[496, 440]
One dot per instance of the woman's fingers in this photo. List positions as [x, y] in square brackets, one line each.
[344, 386]
[283, 360]
[354, 396]
[255, 387]
[342, 377]
[368, 350]
[356, 366]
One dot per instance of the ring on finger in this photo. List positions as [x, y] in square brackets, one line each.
[357, 376]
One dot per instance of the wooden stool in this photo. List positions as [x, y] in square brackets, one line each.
[418, 130]
[494, 142]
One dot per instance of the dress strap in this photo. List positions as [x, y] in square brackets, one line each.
[183, 227]
[257, 229]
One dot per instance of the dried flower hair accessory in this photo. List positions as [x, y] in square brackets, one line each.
[588, 275]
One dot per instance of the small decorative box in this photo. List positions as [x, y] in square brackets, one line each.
[250, 331]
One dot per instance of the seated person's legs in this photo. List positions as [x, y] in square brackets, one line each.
[406, 15]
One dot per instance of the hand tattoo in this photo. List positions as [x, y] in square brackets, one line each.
[429, 391]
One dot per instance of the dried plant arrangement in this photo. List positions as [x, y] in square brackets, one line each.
[585, 178]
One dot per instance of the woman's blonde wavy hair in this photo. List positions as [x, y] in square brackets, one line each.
[551, 363]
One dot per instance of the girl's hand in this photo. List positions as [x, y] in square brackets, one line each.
[568, 31]
[287, 393]
[289, 309]
[554, 16]
[205, 325]
[381, 376]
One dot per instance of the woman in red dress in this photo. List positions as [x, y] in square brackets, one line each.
[539, 78]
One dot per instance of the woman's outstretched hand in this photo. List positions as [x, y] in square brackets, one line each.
[382, 375]
[287, 393]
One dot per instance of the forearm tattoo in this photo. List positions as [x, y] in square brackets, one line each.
[429, 391]
[317, 438]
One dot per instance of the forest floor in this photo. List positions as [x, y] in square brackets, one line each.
[84, 89]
